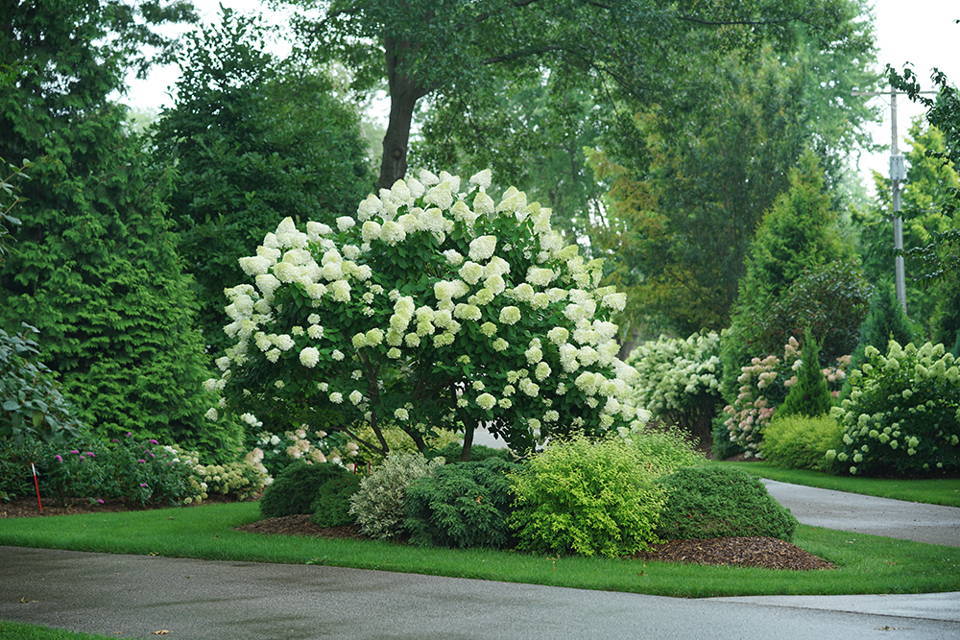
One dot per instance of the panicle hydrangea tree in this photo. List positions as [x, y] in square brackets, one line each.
[437, 306]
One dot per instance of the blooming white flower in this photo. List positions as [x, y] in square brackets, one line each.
[369, 207]
[336, 397]
[401, 414]
[337, 355]
[615, 301]
[509, 315]
[500, 344]
[211, 414]
[488, 329]
[471, 272]
[486, 401]
[482, 179]
[483, 204]
[453, 257]
[272, 355]
[315, 331]
[355, 397]
[542, 370]
[374, 337]
[482, 248]
[392, 233]
[309, 357]
[255, 265]
[540, 277]
[466, 312]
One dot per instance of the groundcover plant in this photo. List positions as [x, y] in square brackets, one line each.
[436, 306]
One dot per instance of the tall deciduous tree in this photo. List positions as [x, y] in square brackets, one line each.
[254, 139]
[430, 48]
[95, 266]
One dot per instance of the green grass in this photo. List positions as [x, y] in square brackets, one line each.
[944, 491]
[867, 564]
[19, 631]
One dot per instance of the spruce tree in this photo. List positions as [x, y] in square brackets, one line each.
[809, 395]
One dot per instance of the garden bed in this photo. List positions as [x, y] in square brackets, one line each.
[767, 553]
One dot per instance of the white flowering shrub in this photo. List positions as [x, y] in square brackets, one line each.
[764, 384]
[311, 446]
[678, 380]
[437, 306]
[902, 416]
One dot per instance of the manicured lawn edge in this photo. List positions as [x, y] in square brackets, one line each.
[867, 564]
[20, 631]
[942, 491]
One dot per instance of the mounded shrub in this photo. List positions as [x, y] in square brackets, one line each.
[801, 442]
[294, 489]
[902, 417]
[331, 504]
[585, 497]
[665, 449]
[462, 505]
[379, 506]
[711, 502]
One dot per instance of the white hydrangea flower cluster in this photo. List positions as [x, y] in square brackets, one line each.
[433, 285]
[306, 445]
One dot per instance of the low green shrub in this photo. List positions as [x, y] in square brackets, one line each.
[294, 489]
[478, 452]
[379, 506]
[711, 502]
[462, 505]
[664, 449]
[902, 417]
[16, 477]
[587, 498]
[331, 504]
[800, 442]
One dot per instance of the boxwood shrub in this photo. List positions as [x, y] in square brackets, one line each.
[294, 490]
[331, 503]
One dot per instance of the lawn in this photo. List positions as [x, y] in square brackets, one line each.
[20, 631]
[866, 564]
[943, 491]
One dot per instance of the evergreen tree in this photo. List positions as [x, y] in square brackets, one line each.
[94, 266]
[254, 140]
[809, 395]
[884, 322]
[800, 232]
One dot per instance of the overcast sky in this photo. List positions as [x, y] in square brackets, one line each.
[921, 32]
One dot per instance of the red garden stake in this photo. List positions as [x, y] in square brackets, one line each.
[36, 484]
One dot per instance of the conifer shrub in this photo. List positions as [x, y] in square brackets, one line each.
[478, 452]
[465, 504]
[801, 442]
[885, 321]
[379, 507]
[588, 498]
[294, 490]
[713, 502]
[808, 395]
[902, 416]
[331, 504]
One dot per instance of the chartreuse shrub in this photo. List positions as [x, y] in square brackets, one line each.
[331, 503]
[715, 502]
[678, 380]
[902, 417]
[465, 504]
[294, 490]
[379, 506]
[808, 395]
[584, 497]
[801, 442]
[665, 449]
[436, 306]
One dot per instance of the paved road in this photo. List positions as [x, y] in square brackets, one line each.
[867, 514]
[134, 596]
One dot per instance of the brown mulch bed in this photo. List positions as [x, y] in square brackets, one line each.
[27, 507]
[768, 553]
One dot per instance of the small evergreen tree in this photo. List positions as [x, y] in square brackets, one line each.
[885, 321]
[809, 395]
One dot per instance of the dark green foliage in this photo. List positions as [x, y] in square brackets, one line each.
[16, 477]
[94, 266]
[478, 452]
[712, 502]
[800, 442]
[294, 490]
[33, 407]
[798, 234]
[884, 322]
[462, 505]
[809, 395]
[331, 504]
[254, 140]
[722, 447]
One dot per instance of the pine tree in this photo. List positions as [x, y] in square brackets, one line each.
[809, 395]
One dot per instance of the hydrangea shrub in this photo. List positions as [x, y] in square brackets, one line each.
[764, 384]
[902, 416]
[678, 380]
[436, 306]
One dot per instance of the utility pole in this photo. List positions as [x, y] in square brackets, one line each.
[898, 173]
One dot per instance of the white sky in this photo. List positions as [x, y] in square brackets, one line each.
[921, 32]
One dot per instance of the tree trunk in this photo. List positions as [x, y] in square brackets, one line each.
[467, 442]
[404, 93]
